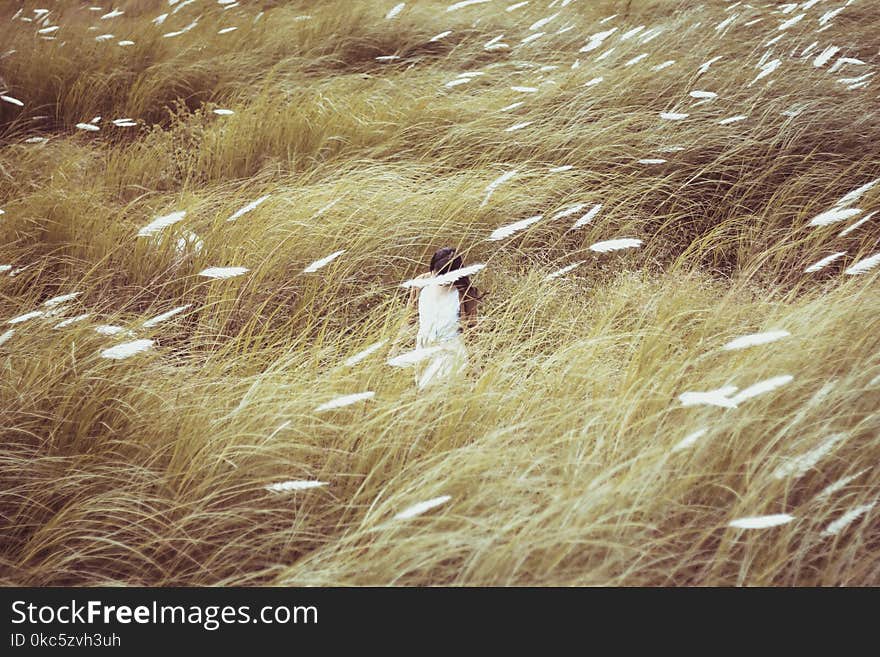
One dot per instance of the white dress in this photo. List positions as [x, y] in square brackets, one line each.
[439, 307]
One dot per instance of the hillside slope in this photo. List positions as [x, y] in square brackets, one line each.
[736, 146]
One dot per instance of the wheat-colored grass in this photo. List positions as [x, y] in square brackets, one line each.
[566, 456]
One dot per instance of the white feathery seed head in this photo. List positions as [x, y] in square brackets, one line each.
[798, 466]
[422, 507]
[72, 320]
[705, 65]
[863, 220]
[108, 329]
[761, 522]
[345, 400]
[840, 484]
[415, 356]
[500, 180]
[567, 212]
[532, 37]
[821, 264]
[54, 301]
[184, 30]
[689, 440]
[161, 222]
[847, 518]
[518, 126]
[631, 33]
[223, 272]
[791, 21]
[323, 262]
[834, 215]
[588, 217]
[762, 387]
[538, 24]
[823, 57]
[754, 339]
[635, 60]
[464, 3]
[564, 270]
[158, 319]
[719, 397]
[395, 11]
[616, 245]
[364, 353]
[766, 69]
[444, 279]
[26, 317]
[855, 194]
[253, 205]
[510, 229]
[127, 349]
[864, 265]
[284, 486]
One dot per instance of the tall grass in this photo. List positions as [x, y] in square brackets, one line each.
[562, 451]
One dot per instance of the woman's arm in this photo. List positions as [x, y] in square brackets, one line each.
[411, 314]
[469, 312]
[412, 302]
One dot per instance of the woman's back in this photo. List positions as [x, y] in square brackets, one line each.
[438, 314]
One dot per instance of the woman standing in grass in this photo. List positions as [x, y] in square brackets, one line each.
[444, 309]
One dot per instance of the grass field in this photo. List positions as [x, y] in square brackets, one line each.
[736, 142]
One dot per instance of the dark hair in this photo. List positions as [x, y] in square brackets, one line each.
[444, 261]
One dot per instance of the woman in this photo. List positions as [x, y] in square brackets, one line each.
[443, 309]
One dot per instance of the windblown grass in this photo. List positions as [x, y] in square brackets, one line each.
[215, 405]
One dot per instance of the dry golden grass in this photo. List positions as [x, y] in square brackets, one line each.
[559, 450]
